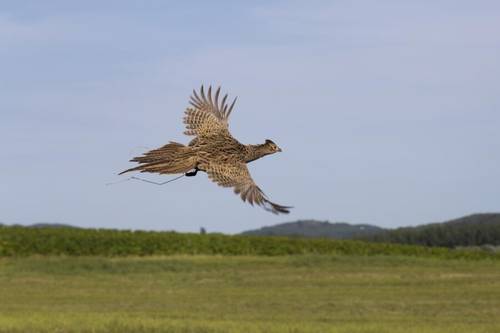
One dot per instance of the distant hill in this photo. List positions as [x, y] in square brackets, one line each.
[471, 230]
[468, 231]
[317, 229]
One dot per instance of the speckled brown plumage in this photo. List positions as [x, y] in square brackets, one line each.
[213, 150]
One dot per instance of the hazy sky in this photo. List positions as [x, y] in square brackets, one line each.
[388, 112]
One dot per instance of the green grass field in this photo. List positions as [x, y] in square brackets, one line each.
[311, 293]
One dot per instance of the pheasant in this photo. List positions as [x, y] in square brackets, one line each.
[213, 150]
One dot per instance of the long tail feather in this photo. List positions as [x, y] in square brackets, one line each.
[169, 159]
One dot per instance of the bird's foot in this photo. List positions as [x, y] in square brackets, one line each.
[192, 173]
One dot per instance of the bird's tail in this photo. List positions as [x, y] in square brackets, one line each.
[171, 158]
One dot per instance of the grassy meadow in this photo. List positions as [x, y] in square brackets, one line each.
[215, 293]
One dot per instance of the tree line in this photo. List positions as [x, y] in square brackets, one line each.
[473, 230]
[23, 241]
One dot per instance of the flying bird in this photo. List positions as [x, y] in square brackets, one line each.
[213, 150]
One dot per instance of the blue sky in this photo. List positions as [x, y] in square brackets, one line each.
[388, 112]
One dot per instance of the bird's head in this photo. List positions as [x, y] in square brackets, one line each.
[271, 147]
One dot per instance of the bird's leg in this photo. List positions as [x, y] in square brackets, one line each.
[192, 173]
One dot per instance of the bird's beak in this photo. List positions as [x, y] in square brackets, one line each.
[279, 150]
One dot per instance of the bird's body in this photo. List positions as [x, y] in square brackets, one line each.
[213, 150]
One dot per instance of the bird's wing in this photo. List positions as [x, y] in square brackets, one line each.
[207, 116]
[237, 175]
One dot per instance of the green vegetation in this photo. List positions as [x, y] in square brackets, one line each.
[313, 293]
[473, 230]
[58, 279]
[21, 241]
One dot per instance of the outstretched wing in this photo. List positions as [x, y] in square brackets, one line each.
[238, 176]
[207, 116]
